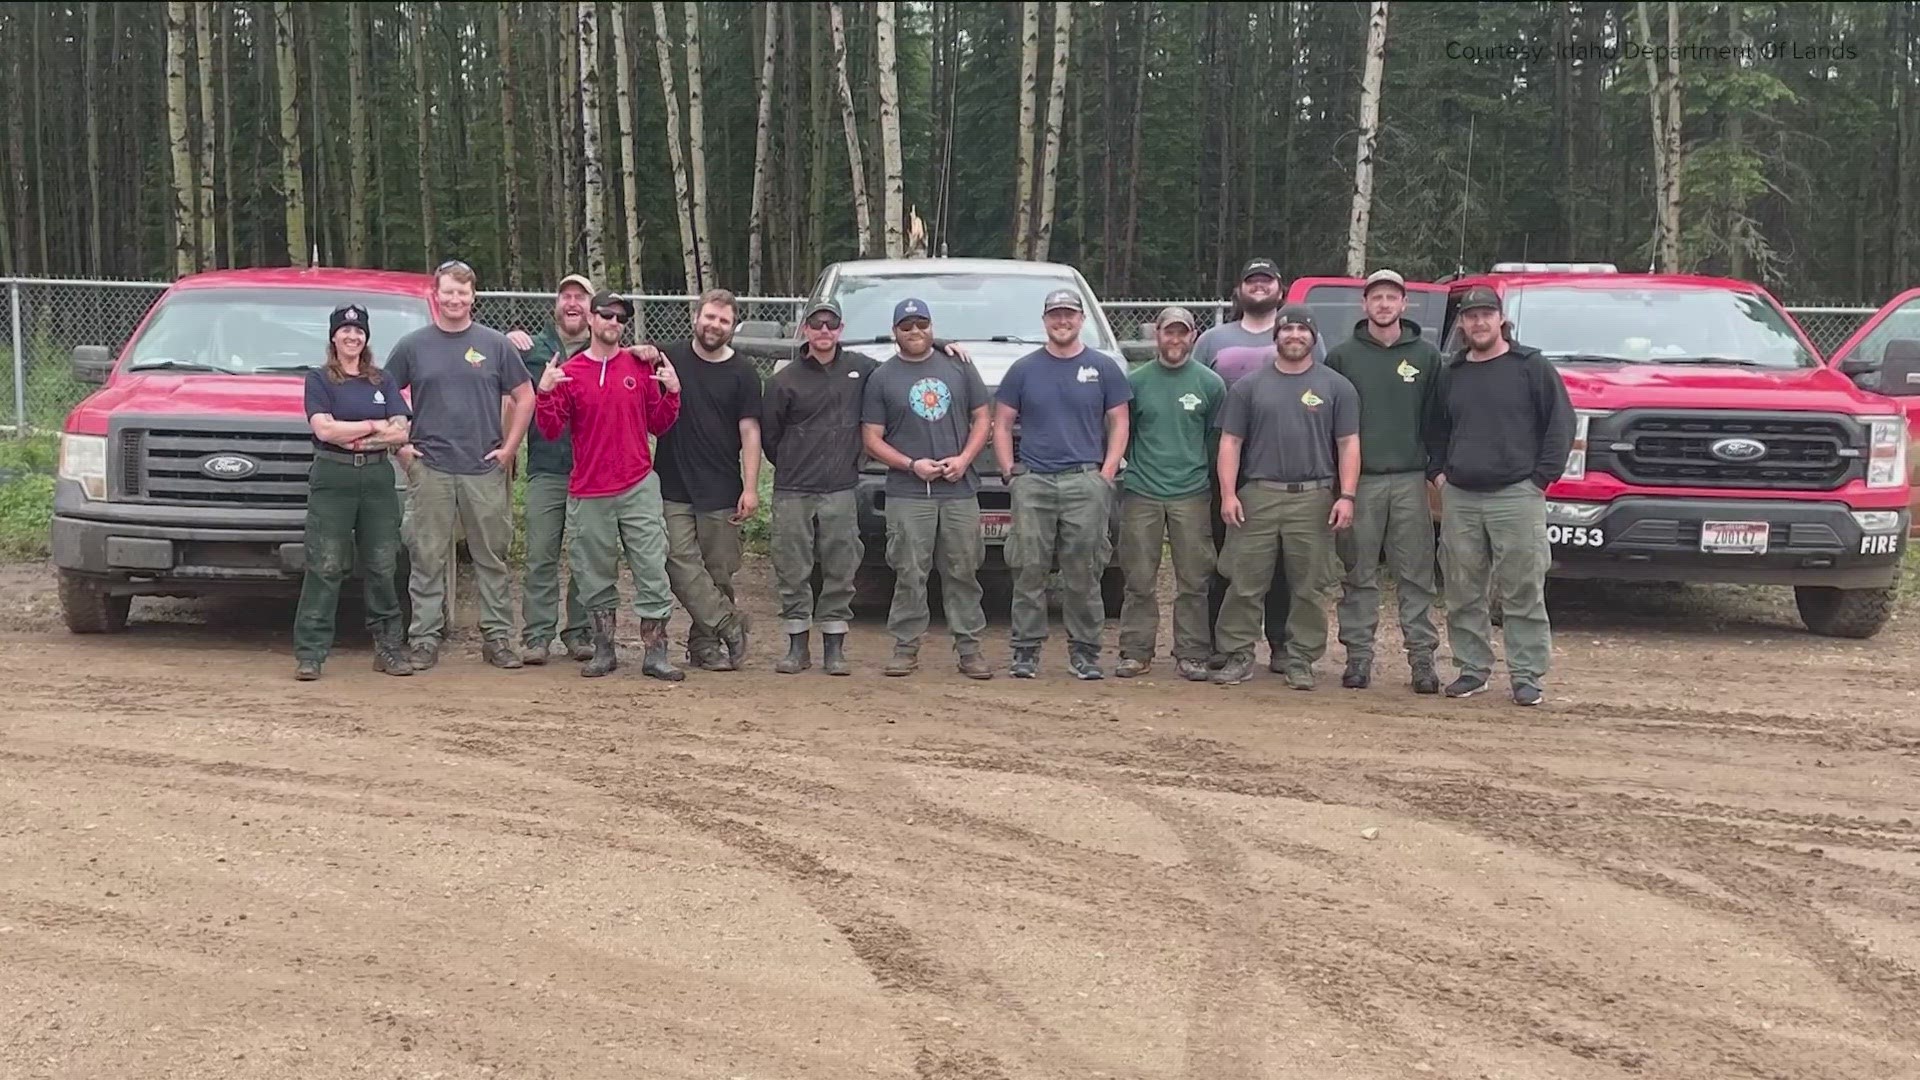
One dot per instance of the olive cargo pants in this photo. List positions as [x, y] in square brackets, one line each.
[1496, 541]
[1279, 598]
[1276, 518]
[703, 554]
[810, 528]
[631, 524]
[1391, 518]
[353, 519]
[1146, 523]
[540, 586]
[1064, 516]
[483, 506]
[929, 535]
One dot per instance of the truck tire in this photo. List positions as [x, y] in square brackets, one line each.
[89, 608]
[1845, 613]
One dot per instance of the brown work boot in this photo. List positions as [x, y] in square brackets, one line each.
[500, 654]
[905, 661]
[975, 666]
[1132, 667]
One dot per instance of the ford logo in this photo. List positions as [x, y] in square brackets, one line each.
[229, 467]
[1738, 449]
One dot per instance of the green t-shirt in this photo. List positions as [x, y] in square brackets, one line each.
[1170, 423]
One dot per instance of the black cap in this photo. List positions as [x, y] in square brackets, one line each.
[347, 315]
[1260, 266]
[607, 298]
[1296, 315]
[1480, 296]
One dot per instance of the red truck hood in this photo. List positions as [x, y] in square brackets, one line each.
[190, 393]
[1619, 386]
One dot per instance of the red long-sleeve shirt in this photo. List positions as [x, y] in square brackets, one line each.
[612, 408]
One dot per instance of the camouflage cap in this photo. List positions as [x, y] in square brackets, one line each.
[1171, 316]
[1480, 296]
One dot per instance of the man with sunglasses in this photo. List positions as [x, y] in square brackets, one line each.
[612, 401]
[458, 370]
[810, 431]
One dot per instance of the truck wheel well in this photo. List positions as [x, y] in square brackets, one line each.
[1845, 613]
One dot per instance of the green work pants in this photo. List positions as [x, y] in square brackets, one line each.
[1496, 541]
[1146, 525]
[353, 519]
[928, 535]
[540, 588]
[1276, 519]
[1279, 597]
[810, 530]
[1391, 518]
[482, 507]
[631, 524]
[703, 554]
[1064, 517]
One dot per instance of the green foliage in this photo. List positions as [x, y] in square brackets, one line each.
[26, 496]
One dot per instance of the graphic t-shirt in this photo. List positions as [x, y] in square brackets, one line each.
[458, 379]
[1233, 351]
[1063, 405]
[351, 400]
[926, 410]
[1289, 422]
[1168, 438]
[698, 458]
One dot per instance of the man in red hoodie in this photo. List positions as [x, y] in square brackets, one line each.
[612, 401]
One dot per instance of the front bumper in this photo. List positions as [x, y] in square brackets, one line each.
[182, 551]
[1640, 538]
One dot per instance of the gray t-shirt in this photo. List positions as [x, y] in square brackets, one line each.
[1233, 352]
[926, 408]
[1290, 422]
[457, 381]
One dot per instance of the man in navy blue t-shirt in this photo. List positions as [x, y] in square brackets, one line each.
[1071, 404]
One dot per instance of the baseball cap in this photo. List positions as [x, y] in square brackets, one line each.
[1064, 298]
[607, 298]
[1390, 277]
[1260, 266]
[819, 306]
[347, 315]
[1297, 315]
[910, 309]
[574, 279]
[1479, 296]
[1170, 316]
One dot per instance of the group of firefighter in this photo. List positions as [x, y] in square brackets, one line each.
[1277, 473]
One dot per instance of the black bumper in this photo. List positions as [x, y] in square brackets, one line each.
[141, 549]
[1660, 539]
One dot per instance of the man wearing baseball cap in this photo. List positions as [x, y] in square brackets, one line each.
[1393, 368]
[1499, 433]
[1289, 460]
[1167, 500]
[1070, 403]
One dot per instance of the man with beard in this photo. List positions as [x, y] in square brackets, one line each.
[548, 464]
[1499, 433]
[612, 401]
[1233, 350]
[458, 370]
[1289, 463]
[926, 418]
[1393, 369]
[1166, 501]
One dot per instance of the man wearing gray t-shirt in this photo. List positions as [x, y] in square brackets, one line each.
[1289, 463]
[458, 371]
[926, 417]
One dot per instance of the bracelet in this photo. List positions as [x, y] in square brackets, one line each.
[1344, 495]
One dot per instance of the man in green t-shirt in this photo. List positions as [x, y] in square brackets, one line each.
[1166, 499]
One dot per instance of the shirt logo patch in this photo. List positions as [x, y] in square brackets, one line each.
[630, 383]
[379, 398]
[476, 357]
[929, 399]
[1407, 371]
[1189, 402]
[853, 374]
[1312, 400]
[1087, 374]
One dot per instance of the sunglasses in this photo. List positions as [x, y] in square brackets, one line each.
[452, 264]
[912, 324]
[615, 314]
[823, 322]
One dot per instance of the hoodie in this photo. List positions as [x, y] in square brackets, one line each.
[1496, 423]
[810, 423]
[1396, 386]
[610, 407]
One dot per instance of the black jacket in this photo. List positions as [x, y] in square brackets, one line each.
[810, 422]
[1497, 422]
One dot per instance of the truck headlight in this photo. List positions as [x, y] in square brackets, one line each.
[1887, 451]
[83, 460]
[1577, 456]
[1574, 513]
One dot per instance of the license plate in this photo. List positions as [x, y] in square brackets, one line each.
[1734, 537]
[996, 526]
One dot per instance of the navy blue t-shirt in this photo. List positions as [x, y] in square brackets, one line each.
[1063, 406]
[354, 399]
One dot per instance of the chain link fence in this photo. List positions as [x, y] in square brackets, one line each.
[42, 321]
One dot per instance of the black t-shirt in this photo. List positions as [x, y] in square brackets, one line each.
[353, 399]
[698, 458]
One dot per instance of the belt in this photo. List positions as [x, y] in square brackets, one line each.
[357, 460]
[1022, 470]
[1295, 487]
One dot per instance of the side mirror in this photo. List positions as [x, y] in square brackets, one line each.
[1146, 331]
[1857, 364]
[1900, 369]
[92, 364]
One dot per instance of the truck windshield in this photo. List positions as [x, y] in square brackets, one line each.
[1666, 325]
[965, 307]
[245, 331]
[1337, 308]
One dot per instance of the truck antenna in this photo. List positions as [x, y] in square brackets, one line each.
[1460, 263]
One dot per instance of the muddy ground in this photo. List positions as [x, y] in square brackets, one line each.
[1699, 860]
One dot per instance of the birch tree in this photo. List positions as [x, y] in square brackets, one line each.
[697, 146]
[762, 137]
[503, 39]
[1663, 100]
[290, 133]
[629, 183]
[862, 216]
[595, 194]
[357, 138]
[682, 196]
[417, 19]
[1362, 215]
[91, 71]
[184, 255]
[893, 195]
[1029, 102]
[1056, 113]
[203, 54]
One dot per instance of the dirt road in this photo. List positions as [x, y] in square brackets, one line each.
[1699, 860]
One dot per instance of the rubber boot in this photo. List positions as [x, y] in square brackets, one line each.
[654, 664]
[604, 657]
[833, 654]
[799, 656]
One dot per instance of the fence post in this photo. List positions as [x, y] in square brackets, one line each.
[19, 365]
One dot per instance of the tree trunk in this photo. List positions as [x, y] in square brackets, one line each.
[37, 150]
[1736, 138]
[817, 174]
[1362, 216]
[185, 256]
[587, 12]
[762, 135]
[417, 19]
[697, 146]
[1029, 104]
[357, 137]
[203, 48]
[1671, 256]
[569, 104]
[862, 216]
[1135, 139]
[629, 180]
[893, 194]
[1056, 114]
[682, 196]
[226, 134]
[553, 94]
[316, 111]
[91, 43]
[790, 109]
[289, 76]
[1904, 163]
